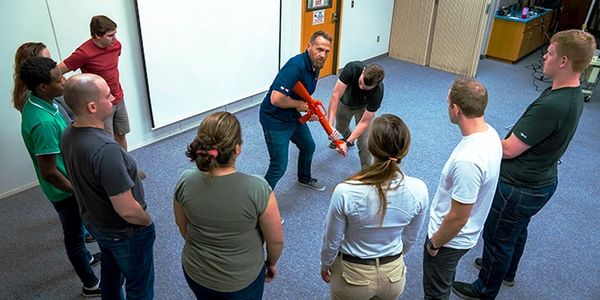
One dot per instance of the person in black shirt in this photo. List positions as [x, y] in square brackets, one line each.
[357, 94]
[528, 172]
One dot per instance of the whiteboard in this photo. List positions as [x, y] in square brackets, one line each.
[200, 54]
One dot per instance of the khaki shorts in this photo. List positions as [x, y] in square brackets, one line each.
[118, 123]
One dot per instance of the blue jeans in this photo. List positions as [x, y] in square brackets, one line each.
[278, 143]
[79, 256]
[251, 292]
[505, 234]
[128, 260]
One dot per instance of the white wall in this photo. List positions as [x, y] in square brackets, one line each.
[71, 22]
[32, 23]
[244, 56]
[291, 26]
[361, 25]
[493, 6]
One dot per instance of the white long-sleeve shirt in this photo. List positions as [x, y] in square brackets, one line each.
[354, 226]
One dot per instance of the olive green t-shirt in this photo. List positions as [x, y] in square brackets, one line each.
[547, 125]
[224, 248]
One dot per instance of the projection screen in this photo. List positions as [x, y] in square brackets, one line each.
[201, 54]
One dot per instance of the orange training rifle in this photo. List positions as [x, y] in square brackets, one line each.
[315, 107]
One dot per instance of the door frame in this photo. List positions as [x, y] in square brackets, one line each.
[334, 55]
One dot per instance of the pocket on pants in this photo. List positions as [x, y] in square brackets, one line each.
[531, 203]
[397, 274]
[353, 275]
[506, 230]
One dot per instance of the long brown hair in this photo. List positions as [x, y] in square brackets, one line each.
[20, 92]
[215, 143]
[389, 140]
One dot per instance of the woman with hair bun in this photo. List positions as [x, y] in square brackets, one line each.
[225, 217]
[374, 218]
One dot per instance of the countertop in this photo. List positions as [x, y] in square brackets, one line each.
[532, 16]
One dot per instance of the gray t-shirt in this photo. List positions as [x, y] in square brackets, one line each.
[224, 249]
[98, 168]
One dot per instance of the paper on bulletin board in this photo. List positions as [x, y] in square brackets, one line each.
[318, 17]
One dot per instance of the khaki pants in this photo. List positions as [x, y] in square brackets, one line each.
[343, 117]
[356, 281]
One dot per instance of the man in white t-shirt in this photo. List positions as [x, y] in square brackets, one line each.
[466, 189]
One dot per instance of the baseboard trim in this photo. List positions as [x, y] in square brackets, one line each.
[18, 190]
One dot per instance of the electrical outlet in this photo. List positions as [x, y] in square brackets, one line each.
[378, 38]
[352, 4]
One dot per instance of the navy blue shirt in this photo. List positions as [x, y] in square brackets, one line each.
[298, 68]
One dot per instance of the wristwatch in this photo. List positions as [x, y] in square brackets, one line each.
[430, 245]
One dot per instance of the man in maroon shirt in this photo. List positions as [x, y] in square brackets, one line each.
[100, 55]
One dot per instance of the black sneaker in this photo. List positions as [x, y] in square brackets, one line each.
[91, 292]
[464, 290]
[506, 282]
[312, 184]
[89, 239]
[96, 258]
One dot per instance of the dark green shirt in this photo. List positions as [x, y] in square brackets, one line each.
[42, 126]
[547, 125]
[354, 96]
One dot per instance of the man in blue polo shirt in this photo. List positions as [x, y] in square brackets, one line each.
[42, 126]
[280, 110]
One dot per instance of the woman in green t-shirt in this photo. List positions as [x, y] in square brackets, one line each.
[225, 217]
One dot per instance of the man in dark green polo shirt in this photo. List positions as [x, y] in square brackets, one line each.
[42, 126]
[528, 173]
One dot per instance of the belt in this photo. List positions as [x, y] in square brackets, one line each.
[369, 261]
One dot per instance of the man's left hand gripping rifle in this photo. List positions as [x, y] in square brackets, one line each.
[316, 108]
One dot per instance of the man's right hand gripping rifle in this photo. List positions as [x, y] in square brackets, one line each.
[316, 108]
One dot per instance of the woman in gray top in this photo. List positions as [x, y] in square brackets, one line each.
[225, 217]
[374, 218]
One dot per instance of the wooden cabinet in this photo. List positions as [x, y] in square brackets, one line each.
[511, 40]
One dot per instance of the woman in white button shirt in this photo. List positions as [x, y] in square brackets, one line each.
[374, 218]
